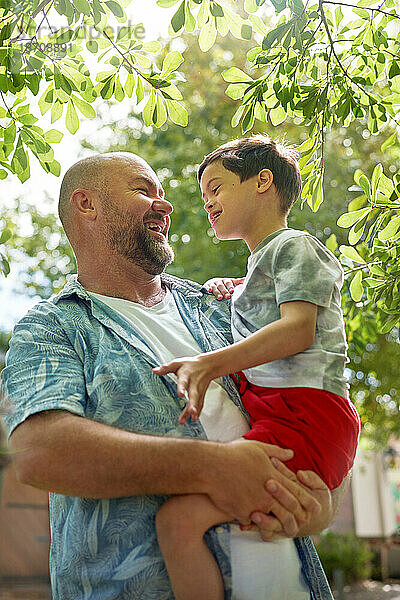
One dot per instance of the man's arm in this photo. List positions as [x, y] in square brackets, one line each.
[64, 453]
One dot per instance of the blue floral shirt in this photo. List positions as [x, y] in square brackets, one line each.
[75, 353]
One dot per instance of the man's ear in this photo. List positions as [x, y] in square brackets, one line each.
[265, 179]
[85, 203]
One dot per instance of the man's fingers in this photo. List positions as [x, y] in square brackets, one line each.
[282, 468]
[291, 493]
[277, 452]
[311, 480]
[268, 525]
[286, 508]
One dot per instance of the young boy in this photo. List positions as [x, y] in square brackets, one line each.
[289, 340]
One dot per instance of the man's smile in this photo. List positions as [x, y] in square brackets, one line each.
[157, 227]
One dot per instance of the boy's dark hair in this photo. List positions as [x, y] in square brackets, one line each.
[248, 156]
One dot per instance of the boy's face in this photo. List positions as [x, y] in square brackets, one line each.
[231, 204]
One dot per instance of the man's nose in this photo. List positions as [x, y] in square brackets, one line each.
[162, 206]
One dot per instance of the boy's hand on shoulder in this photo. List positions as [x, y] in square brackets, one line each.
[223, 287]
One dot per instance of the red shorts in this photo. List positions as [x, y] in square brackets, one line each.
[320, 427]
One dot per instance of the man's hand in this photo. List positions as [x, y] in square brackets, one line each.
[194, 376]
[271, 527]
[240, 490]
[223, 287]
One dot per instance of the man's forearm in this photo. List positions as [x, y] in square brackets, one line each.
[61, 452]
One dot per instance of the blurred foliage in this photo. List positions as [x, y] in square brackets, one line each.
[346, 552]
[45, 257]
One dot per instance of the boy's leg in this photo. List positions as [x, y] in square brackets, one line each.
[181, 524]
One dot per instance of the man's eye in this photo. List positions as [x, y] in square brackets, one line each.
[214, 191]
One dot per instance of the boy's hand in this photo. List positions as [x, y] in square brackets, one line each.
[194, 375]
[222, 287]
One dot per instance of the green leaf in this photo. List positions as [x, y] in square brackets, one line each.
[236, 90]
[178, 20]
[376, 175]
[92, 46]
[139, 90]
[307, 145]
[235, 75]
[4, 265]
[364, 184]
[84, 107]
[53, 136]
[82, 6]
[170, 63]
[3, 174]
[56, 111]
[71, 118]
[277, 115]
[177, 113]
[351, 253]
[190, 21]
[115, 8]
[331, 242]
[208, 35]
[161, 114]
[152, 47]
[167, 3]
[5, 235]
[348, 219]
[389, 141]
[237, 116]
[356, 288]
[216, 9]
[390, 230]
[148, 110]
[356, 231]
[130, 85]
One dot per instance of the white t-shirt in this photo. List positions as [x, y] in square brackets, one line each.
[260, 570]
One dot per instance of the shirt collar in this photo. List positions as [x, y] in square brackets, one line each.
[73, 287]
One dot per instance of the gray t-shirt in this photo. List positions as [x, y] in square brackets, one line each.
[291, 265]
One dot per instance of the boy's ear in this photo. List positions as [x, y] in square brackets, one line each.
[265, 179]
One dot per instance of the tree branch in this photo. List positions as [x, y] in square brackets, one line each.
[364, 7]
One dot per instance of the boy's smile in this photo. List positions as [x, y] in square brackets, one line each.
[228, 201]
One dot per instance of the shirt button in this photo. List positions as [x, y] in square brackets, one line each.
[219, 529]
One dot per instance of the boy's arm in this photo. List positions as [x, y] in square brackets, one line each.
[292, 333]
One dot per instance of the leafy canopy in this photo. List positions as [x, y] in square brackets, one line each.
[321, 64]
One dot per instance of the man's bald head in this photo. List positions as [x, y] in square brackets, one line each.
[92, 173]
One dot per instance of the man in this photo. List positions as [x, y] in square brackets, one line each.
[98, 430]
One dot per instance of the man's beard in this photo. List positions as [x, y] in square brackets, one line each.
[130, 239]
